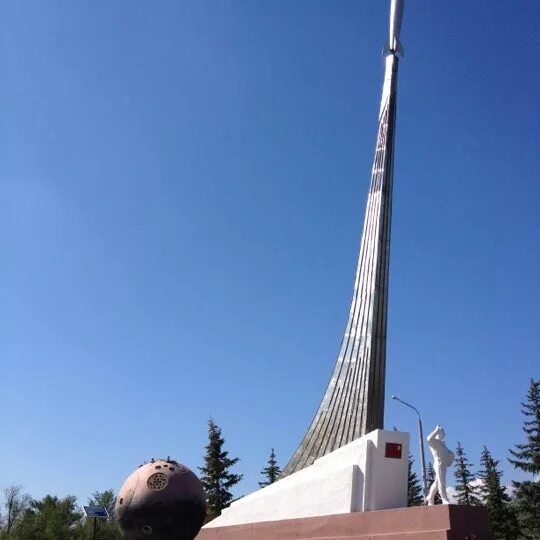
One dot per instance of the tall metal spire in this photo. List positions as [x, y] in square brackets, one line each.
[353, 403]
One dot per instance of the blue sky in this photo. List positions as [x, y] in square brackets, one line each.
[182, 187]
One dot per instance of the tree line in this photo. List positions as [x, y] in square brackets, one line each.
[53, 518]
[512, 516]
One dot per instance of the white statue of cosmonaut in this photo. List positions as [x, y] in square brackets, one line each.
[442, 459]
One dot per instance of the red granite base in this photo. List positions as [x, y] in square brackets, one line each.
[417, 523]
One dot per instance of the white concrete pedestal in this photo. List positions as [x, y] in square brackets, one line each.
[369, 473]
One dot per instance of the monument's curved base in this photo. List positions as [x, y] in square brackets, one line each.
[440, 522]
[367, 474]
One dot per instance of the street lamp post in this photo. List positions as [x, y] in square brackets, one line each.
[421, 435]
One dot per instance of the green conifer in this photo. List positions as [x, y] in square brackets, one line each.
[466, 492]
[414, 490]
[497, 502]
[271, 472]
[216, 478]
[526, 457]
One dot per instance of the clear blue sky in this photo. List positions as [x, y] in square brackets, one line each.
[182, 190]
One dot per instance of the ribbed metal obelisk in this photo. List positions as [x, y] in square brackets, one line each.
[353, 404]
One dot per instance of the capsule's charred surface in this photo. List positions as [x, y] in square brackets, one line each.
[161, 500]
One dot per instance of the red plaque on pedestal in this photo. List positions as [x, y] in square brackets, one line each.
[393, 450]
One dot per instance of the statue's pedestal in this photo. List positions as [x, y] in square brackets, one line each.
[439, 522]
[367, 474]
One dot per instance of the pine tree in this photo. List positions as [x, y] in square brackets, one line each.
[272, 472]
[430, 478]
[501, 516]
[466, 492]
[527, 459]
[216, 478]
[414, 489]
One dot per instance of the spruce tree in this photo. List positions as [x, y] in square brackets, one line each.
[216, 477]
[414, 489]
[466, 492]
[271, 472]
[430, 478]
[526, 457]
[501, 515]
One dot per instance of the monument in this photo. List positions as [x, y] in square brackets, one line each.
[353, 404]
[345, 451]
[347, 480]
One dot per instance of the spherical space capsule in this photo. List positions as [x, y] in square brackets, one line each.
[161, 500]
